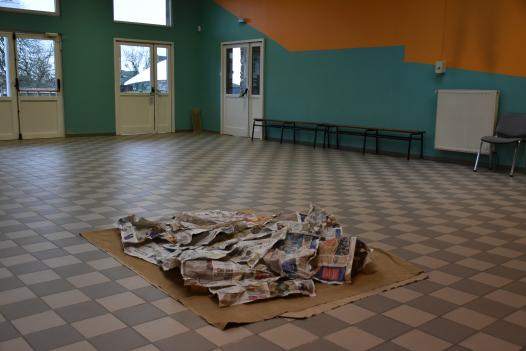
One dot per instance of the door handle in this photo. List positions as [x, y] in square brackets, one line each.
[244, 93]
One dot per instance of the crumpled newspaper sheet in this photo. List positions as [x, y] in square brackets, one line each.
[242, 257]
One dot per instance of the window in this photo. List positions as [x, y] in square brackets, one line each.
[45, 6]
[4, 66]
[36, 67]
[142, 11]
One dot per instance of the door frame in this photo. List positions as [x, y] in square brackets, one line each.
[116, 68]
[11, 85]
[222, 75]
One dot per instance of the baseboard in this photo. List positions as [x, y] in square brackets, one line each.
[73, 135]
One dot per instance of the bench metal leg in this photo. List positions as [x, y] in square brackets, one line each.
[324, 136]
[315, 137]
[376, 146]
[421, 145]
[409, 147]
[337, 138]
[281, 139]
[294, 133]
[364, 142]
[515, 153]
[253, 125]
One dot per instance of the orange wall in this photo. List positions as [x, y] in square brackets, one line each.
[481, 35]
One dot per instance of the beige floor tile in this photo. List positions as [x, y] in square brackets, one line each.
[421, 249]
[288, 336]
[443, 278]
[168, 305]
[83, 280]
[501, 251]
[147, 348]
[134, 282]
[98, 325]
[15, 295]
[452, 239]
[402, 294]
[38, 277]
[18, 344]
[491, 279]
[61, 261]
[38, 322]
[4, 273]
[160, 329]
[66, 298]
[516, 264]
[104, 263]
[469, 318]
[454, 296]
[475, 264]
[78, 346]
[76, 249]
[351, 313]
[416, 340]
[354, 339]
[431, 262]
[462, 250]
[485, 342]
[19, 259]
[120, 301]
[507, 298]
[409, 315]
[517, 317]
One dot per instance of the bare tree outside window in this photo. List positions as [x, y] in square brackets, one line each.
[36, 66]
[3, 66]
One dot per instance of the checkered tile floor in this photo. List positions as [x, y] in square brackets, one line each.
[468, 230]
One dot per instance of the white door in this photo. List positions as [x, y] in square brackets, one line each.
[242, 87]
[30, 87]
[144, 102]
[8, 96]
[39, 85]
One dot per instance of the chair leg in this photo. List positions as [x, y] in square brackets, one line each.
[517, 146]
[478, 157]
[490, 165]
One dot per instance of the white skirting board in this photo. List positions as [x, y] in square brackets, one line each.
[463, 117]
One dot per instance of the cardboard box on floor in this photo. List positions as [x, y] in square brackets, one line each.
[386, 272]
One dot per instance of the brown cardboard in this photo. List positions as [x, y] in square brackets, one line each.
[386, 272]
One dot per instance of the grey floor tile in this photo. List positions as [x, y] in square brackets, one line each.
[10, 283]
[43, 255]
[432, 305]
[489, 307]
[317, 345]
[81, 311]
[188, 341]
[54, 337]
[383, 327]
[507, 331]
[189, 319]
[99, 291]
[447, 330]
[260, 327]
[377, 303]
[7, 331]
[122, 339]
[51, 287]
[119, 272]
[24, 308]
[321, 324]
[74, 269]
[139, 314]
[149, 293]
[29, 267]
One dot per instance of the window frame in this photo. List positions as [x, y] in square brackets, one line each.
[34, 12]
[169, 17]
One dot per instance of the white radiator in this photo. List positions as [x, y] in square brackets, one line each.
[463, 117]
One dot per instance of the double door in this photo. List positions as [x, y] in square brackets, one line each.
[242, 87]
[30, 86]
[143, 87]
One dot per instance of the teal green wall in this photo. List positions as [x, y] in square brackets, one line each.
[372, 86]
[88, 30]
[360, 86]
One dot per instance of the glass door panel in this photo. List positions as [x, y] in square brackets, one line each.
[4, 67]
[36, 68]
[161, 79]
[135, 69]
[236, 70]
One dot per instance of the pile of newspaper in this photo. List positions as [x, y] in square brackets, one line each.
[242, 257]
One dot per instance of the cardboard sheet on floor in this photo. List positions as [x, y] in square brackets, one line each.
[386, 272]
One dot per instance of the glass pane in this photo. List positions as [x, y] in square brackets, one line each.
[32, 5]
[4, 66]
[162, 70]
[142, 11]
[256, 69]
[36, 66]
[135, 69]
[236, 70]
